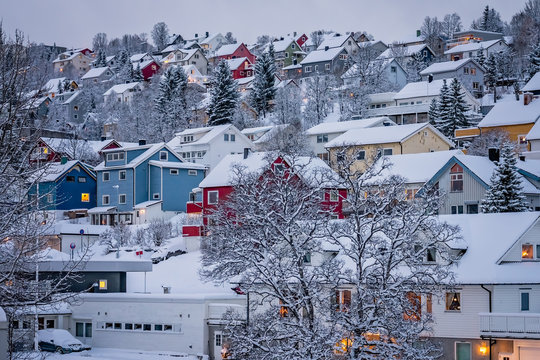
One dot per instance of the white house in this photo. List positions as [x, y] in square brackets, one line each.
[263, 136]
[208, 145]
[320, 135]
[473, 49]
[185, 57]
[346, 41]
[97, 74]
[388, 69]
[122, 92]
[213, 42]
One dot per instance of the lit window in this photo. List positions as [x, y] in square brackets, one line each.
[102, 284]
[526, 251]
[414, 311]
[343, 300]
[453, 301]
[85, 197]
[213, 197]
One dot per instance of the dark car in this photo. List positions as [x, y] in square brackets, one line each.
[58, 340]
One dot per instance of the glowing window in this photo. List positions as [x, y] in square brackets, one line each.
[85, 197]
[526, 251]
[102, 284]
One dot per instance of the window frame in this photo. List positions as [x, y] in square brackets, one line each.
[447, 305]
[103, 197]
[120, 198]
[526, 292]
[363, 153]
[192, 172]
[163, 152]
[209, 195]
[528, 258]
[456, 346]
[106, 178]
[120, 176]
[83, 197]
[155, 196]
[174, 172]
[334, 195]
[81, 179]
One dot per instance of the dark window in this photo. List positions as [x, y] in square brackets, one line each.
[158, 327]
[79, 329]
[472, 209]
[456, 178]
[524, 301]
[70, 178]
[147, 327]
[225, 137]
[431, 255]
[128, 326]
[361, 155]
[323, 138]
[118, 326]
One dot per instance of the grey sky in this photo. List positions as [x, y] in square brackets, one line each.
[74, 22]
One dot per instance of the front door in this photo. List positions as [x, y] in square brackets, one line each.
[218, 344]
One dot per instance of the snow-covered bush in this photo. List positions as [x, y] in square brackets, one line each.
[159, 230]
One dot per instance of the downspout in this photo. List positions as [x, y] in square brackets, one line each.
[489, 294]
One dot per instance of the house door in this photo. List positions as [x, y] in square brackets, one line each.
[218, 344]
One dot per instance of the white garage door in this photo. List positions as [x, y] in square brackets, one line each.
[529, 353]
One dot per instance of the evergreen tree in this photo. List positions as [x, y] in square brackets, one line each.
[458, 106]
[223, 96]
[416, 64]
[492, 75]
[433, 113]
[443, 122]
[534, 60]
[137, 74]
[170, 102]
[481, 58]
[263, 85]
[505, 193]
[125, 67]
[101, 60]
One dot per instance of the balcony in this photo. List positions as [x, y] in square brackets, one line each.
[510, 325]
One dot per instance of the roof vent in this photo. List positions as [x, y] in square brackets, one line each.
[142, 142]
[326, 48]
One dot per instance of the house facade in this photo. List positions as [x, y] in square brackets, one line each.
[97, 74]
[469, 73]
[75, 62]
[234, 51]
[240, 68]
[325, 62]
[287, 52]
[122, 92]
[473, 49]
[184, 57]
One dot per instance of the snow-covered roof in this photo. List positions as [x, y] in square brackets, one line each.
[101, 209]
[421, 89]
[264, 133]
[246, 80]
[415, 168]
[54, 171]
[151, 149]
[121, 88]
[281, 45]
[210, 38]
[236, 63]
[95, 72]
[508, 111]
[531, 167]
[147, 204]
[67, 145]
[382, 97]
[178, 165]
[343, 126]
[322, 55]
[400, 50]
[257, 162]
[382, 135]
[142, 65]
[534, 133]
[533, 84]
[227, 49]
[334, 42]
[138, 57]
[488, 237]
[445, 66]
[53, 84]
[210, 132]
[472, 46]
[292, 67]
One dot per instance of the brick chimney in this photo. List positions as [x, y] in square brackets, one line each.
[527, 98]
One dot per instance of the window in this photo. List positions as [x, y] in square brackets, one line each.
[307, 69]
[163, 155]
[115, 156]
[117, 326]
[538, 251]
[323, 156]
[155, 196]
[225, 137]
[122, 175]
[233, 137]
[463, 351]
[50, 198]
[128, 326]
[158, 327]
[526, 251]
[393, 69]
[122, 198]
[192, 172]
[456, 209]
[75, 116]
[278, 168]
[70, 178]
[327, 67]
[475, 85]
[453, 301]
[465, 70]
[522, 139]
[102, 284]
[456, 178]
[219, 339]
[316, 68]
[361, 155]
[81, 179]
[472, 208]
[307, 258]
[138, 326]
[79, 329]
[334, 195]
[85, 197]
[322, 138]
[167, 327]
[414, 311]
[106, 176]
[431, 254]
[429, 303]
[387, 152]
[473, 71]
[286, 54]
[524, 300]
[213, 197]
[188, 138]
[147, 327]
[174, 171]
[105, 199]
[343, 300]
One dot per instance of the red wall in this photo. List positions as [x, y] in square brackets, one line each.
[240, 52]
[148, 72]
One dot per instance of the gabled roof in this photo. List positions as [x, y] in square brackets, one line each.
[383, 135]
[95, 72]
[508, 111]
[210, 38]
[258, 162]
[55, 171]
[52, 85]
[533, 84]
[210, 132]
[227, 49]
[138, 57]
[373, 67]
[264, 133]
[421, 89]
[473, 46]
[150, 150]
[334, 41]
[178, 165]
[236, 63]
[534, 133]
[343, 126]
[529, 168]
[404, 51]
[447, 66]
[322, 55]
[281, 45]
[121, 88]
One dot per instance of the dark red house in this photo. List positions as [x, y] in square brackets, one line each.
[148, 68]
[220, 183]
[240, 68]
[234, 51]
[302, 40]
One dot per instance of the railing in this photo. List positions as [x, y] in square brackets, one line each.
[399, 110]
[510, 325]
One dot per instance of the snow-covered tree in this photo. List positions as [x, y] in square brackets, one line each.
[137, 74]
[319, 99]
[433, 113]
[534, 61]
[416, 64]
[489, 21]
[481, 58]
[450, 25]
[99, 43]
[101, 59]
[525, 28]
[491, 75]
[442, 122]
[505, 193]
[230, 38]
[263, 85]
[458, 106]
[287, 105]
[160, 35]
[170, 103]
[481, 144]
[223, 95]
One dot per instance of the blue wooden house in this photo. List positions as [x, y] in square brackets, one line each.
[66, 185]
[138, 183]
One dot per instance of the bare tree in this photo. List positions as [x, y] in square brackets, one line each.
[450, 25]
[160, 35]
[99, 42]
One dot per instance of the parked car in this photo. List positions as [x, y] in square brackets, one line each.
[58, 340]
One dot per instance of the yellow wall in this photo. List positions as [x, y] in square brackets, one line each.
[513, 130]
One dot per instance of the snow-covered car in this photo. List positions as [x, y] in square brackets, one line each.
[58, 340]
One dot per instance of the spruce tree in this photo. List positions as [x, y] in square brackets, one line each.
[223, 96]
[481, 58]
[101, 60]
[433, 113]
[263, 85]
[170, 102]
[458, 107]
[505, 193]
[443, 123]
[491, 75]
[534, 60]
[137, 74]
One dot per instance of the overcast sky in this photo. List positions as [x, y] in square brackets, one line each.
[73, 23]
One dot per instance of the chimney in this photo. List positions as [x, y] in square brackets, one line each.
[326, 48]
[294, 34]
[527, 98]
[418, 33]
[207, 34]
[103, 138]
[430, 78]
[493, 154]
[142, 142]
[246, 153]
[63, 160]
[196, 36]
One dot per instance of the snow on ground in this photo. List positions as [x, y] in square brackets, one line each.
[114, 354]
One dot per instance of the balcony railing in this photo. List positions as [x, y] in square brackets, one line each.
[510, 325]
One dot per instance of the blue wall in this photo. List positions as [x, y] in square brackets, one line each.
[176, 188]
[124, 187]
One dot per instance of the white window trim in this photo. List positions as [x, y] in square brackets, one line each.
[521, 291]
[154, 197]
[125, 175]
[120, 196]
[192, 172]
[103, 197]
[166, 156]
[217, 197]
[108, 175]
[174, 172]
[334, 195]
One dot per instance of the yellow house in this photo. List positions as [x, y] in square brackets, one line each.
[366, 145]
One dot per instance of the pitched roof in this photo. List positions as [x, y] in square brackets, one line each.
[473, 46]
[322, 55]
[446, 66]
[121, 88]
[281, 45]
[210, 38]
[257, 162]
[138, 57]
[533, 84]
[421, 89]
[227, 49]
[382, 135]
[95, 72]
[265, 133]
[343, 126]
[534, 133]
[508, 111]
[151, 149]
[52, 85]
[54, 171]
[236, 63]
[210, 132]
[399, 50]
[334, 41]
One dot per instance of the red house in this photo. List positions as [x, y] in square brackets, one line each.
[302, 40]
[234, 51]
[219, 183]
[53, 149]
[240, 68]
[148, 68]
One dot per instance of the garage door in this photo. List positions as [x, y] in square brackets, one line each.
[529, 353]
